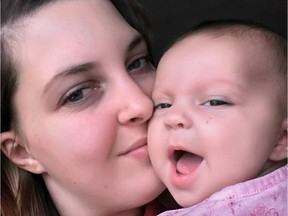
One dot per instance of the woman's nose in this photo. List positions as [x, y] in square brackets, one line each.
[177, 118]
[136, 107]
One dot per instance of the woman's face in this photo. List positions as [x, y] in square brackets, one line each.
[83, 102]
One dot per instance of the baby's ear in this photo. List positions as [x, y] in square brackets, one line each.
[280, 150]
[19, 154]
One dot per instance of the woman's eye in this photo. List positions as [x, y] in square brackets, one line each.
[75, 96]
[78, 94]
[139, 63]
[162, 106]
[215, 102]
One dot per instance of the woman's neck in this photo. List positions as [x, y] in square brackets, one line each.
[132, 212]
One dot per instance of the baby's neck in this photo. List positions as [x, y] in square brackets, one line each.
[271, 166]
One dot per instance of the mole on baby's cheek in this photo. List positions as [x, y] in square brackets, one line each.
[208, 120]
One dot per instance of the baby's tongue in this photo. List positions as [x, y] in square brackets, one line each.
[188, 163]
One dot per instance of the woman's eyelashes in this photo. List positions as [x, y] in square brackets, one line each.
[140, 65]
[81, 94]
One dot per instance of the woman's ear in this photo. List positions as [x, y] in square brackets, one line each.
[280, 150]
[19, 154]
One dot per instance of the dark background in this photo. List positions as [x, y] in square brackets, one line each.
[172, 18]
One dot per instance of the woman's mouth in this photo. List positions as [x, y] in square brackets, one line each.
[139, 150]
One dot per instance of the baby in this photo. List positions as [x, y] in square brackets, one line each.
[218, 136]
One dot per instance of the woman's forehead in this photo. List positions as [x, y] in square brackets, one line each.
[71, 32]
[69, 28]
[75, 16]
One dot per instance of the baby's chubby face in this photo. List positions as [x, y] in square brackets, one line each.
[217, 115]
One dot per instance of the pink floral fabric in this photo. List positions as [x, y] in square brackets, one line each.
[263, 196]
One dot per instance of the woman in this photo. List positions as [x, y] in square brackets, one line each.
[76, 82]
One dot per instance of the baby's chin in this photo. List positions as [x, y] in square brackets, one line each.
[188, 198]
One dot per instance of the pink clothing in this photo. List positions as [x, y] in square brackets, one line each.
[263, 196]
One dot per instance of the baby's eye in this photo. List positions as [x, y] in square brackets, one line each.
[215, 102]
[162, 106]
[139, 63]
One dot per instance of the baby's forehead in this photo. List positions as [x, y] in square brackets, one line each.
[250, 52]
[205, 44]
[259, 42]
[254, 41]
[239, 33]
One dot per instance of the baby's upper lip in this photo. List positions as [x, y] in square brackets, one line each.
[176, 151]
[173, 148]
[137, 144]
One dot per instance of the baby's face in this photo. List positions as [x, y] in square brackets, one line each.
[216, 116]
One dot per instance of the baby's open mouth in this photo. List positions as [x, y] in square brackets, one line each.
[186, 162]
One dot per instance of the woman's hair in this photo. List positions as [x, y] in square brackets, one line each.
[24, 193]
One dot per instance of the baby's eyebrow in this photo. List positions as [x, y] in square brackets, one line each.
[71, 69]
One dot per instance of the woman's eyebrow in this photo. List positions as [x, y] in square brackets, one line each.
[70, 70]
[138, 39]
[85, 67]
